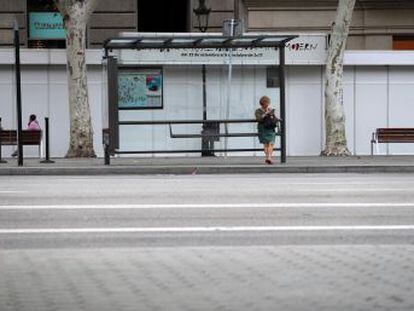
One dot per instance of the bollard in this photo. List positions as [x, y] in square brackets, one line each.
[105, 141]
[47, 158]
[107, 155]
[1, 160]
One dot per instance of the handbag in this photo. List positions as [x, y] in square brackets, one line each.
[270, 122]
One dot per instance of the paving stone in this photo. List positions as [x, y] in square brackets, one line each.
[209, 278]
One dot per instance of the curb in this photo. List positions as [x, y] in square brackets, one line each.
[202, 170]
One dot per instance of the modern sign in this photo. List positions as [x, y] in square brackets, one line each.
[140, 88]
[46, 26]
[306, 49]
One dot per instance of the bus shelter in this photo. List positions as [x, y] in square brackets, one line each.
[211, 128]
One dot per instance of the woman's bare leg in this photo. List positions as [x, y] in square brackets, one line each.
[270, 151]
[266, 150]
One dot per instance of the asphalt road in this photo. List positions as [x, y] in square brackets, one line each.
[249, 242]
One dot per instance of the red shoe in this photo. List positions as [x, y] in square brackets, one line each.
[268, 162]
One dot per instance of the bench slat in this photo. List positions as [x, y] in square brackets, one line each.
[213, 135]
[395, 135]
[9, 137]
[395, 140]
[385, 131]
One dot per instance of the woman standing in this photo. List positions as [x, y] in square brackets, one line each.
[266, 124]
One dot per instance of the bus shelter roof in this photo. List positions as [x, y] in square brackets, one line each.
[140, 41]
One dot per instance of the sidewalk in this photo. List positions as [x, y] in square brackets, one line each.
[216, 165]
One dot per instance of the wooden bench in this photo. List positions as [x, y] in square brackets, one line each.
[391, 135]
[29, 138]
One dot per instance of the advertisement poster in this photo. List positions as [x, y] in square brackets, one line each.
[46, 26]
[140, 88]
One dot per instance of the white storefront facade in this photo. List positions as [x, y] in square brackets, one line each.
[378, 92]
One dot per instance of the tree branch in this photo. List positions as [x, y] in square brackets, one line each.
[90, 7]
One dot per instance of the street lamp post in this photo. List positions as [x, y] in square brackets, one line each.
[203, 13]
[18, 94]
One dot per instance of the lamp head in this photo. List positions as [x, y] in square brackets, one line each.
[202, 12]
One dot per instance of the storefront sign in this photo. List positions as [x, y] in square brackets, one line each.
[307, 49]
[140, 88]
[46, 26]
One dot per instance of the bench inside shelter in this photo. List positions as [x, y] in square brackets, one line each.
[210, 133]
[391, 135]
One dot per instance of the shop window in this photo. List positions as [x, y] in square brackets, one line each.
[403, 42]
[163, 16]
[44, 25]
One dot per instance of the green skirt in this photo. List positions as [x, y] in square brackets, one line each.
[266, 136]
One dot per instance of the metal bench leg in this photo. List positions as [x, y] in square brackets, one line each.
[373, 141]
[1, 159]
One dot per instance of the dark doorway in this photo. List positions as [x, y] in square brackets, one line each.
[162, 16]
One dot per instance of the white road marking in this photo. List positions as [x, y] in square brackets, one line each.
[209, 206]
[204, 229]
[350, 190]
[11, 191]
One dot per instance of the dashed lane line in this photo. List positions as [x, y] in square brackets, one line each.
[205, 205]
[213, 229]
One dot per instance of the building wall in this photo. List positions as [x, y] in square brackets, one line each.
[45, 93]
[374, 22]
[9, 11]
[374, 96]
[109, 18]
[373, 26]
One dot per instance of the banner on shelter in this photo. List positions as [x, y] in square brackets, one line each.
[306, 49]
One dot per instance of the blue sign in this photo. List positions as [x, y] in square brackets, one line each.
[46, 26]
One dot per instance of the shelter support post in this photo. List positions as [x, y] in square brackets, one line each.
[282, 103]
[113, 135]
[204, 72]
[206, 150]
[1, 160]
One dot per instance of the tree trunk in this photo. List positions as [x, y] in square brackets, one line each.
[336, 143]
[76, 14]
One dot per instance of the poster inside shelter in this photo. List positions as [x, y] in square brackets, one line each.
[140, 88]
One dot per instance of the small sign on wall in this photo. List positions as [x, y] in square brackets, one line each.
[46, 26]
[140, 88]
